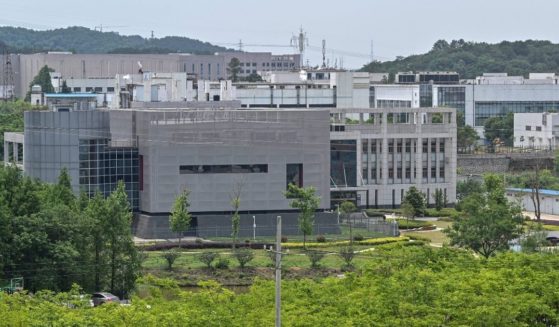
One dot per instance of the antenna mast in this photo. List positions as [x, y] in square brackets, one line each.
[323, 53]
[300, 42]
[372, 52]
[240, 45]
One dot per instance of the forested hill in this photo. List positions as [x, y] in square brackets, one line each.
[84, 40]
[471, 59]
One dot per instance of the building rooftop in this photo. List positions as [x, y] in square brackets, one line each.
[70, 95]
[528, 190]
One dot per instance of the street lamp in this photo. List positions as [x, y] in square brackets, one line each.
[338, 210]
[254, 228]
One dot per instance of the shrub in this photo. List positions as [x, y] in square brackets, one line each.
[222, 263]
[272, 255]
[412, 224]
[347, 254]
[369, 241]
[199, 240]
[284, 239]
[243, 256]
[208, 258]
[371, 213]
[315, 257]
[321, 239]
[170, 256]
[358, 237]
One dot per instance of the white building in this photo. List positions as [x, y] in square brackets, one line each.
[536, 130]
[378, 155]
[549, 200]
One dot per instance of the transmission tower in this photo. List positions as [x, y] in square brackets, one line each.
[323, 53]
[7, 76]
[300, 42]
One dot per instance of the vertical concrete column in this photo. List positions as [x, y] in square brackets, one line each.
[384, 131]
[6, 152]
[15, 151]
[359, 163]
[437, 157]
[403, 159]
[419, 151]
[378, 160]
[429, 161]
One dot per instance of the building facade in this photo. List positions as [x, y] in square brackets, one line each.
[536, 130]
[377, 154]
[159, 152]
[205, 67]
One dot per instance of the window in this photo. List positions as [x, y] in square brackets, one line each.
[441, 172]
[390, 172]
[223, 169]
[433, 172]
[408, 173]
[441, 146]
[110, 89]
[408, 146]
[424, 172]
[98, 89]
[528, 128]
[538, 128]
[424, 147]
[399, 147]
[294, 174]
[253, 64]
[88, 89]
[77, 89]
[433, 146]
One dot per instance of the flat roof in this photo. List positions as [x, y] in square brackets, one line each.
[70, 95]
[529, 190]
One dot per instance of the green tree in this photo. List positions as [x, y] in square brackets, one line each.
[180, 217]
[438, 196]
[233, 69]
[489, 221]
[346, 209]
[304, 199]
[64, 88]
[467, 187]
[42, 79]
[534, 238]
[466, 135]
[236, 217]
[416, 199]
[500, 129]
[122, 258]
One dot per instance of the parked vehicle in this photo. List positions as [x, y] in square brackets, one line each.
[103, 297]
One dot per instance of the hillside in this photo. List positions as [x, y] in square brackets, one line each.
[471, 59]
[84, 40]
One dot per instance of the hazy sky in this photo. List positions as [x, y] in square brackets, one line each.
[397, 27]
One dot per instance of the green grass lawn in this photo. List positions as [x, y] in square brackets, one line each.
[435, 236]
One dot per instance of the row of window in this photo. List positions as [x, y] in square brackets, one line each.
[88, 89]
[487, 109]
[402, 145]
[223, 169]
[538, 128]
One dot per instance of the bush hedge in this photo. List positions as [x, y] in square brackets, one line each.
[413, 224]
[370, 241]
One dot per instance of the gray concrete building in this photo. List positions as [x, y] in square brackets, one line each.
[205, 67]
[159, 152]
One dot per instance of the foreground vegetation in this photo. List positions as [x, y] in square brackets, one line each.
[398, 286]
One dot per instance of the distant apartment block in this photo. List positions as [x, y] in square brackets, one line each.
[536, 130]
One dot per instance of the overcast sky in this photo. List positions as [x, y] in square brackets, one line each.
[397, 27]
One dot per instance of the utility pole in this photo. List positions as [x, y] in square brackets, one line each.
[254, 228]
[278, 272]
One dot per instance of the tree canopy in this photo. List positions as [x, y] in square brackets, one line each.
[53, 239]
[471, 59]
[489, 221]
[84, 40]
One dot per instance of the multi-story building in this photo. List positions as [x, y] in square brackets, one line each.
[159, 152]
[536, 130]
[84, 66]
[490, 95]
[377, 154]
